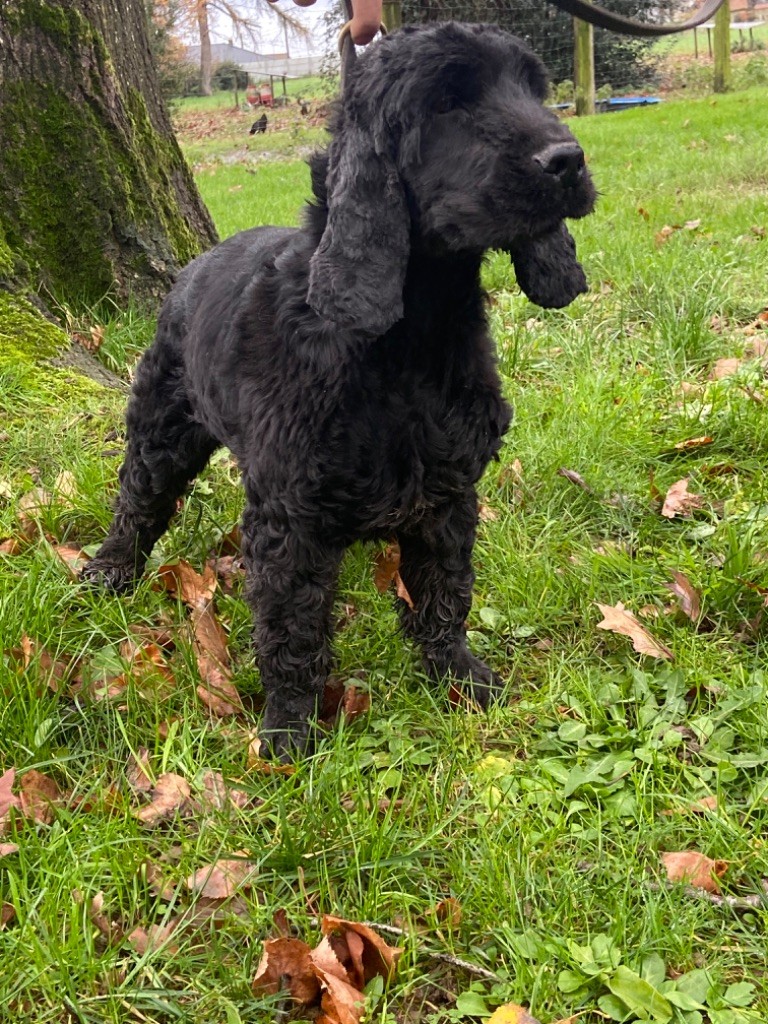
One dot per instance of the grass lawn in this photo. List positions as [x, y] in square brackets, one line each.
[545, 820]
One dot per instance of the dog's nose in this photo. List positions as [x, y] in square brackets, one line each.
[563, 160]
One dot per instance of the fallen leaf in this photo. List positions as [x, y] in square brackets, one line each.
[448, 911]
[223, 878]
[149, 940]
[74, 558]
[402, 592]
[693, 442]
[706, 803]
[355, 703]
[679, 502]
[695, 869]
[378, 957]
[218, 796]
[485, 513]
[286, 962]
[7, 914]
[7, 798]
[184, 582]
[171, 792]
[725, 368]
[137, 772]
[387, 563]
[617, 620]
[11, 546]
[574, 478]
[38, 796]
[511, 1013]
[257, 763]
[112, 931]
[6, 849]
[688, 596]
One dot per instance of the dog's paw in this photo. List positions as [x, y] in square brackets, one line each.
[284, 738]
[117, 578]
[482, 685]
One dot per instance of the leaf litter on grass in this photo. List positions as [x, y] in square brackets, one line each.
[334, 972]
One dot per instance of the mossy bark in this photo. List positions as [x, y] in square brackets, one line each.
[95, 196]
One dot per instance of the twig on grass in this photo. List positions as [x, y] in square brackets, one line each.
[755, 901]
[446, 958]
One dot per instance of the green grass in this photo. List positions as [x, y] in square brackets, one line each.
[544, 817]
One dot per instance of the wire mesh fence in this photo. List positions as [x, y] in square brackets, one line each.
[622, 63]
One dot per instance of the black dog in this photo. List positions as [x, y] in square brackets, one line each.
[259, 125]
[348, 365]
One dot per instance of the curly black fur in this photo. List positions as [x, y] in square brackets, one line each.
[348, 364]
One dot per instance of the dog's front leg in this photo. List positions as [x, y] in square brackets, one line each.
[436, 568]
[291, 583]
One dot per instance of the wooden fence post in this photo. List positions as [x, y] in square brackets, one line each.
[392, 15]
[722, 54]
[584, 67]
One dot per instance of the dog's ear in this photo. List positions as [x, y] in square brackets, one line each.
[547, 269]
[357, 272]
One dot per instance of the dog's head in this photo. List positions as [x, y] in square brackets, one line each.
[442, 141]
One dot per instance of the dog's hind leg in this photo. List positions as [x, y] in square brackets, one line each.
[436, 568]
[166, 449]
[291, 584]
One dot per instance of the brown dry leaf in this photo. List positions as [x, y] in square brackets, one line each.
[137, 772]
[355, 703]
[378, 958]
[38, 797]
[55, 671]
[725, 368]
[169, 795]
[575, 478]
[31, 505]
[149, 940]
[11, 546]
[341, 1002]
[158, 884]
[511, 1013]
[286, 961]
[7, 914]
[402, 592]
[218, 796]
[229, 570]
[617, 620]
[485, 513]
[221, 879]
[217, 690]
[73, 557]
[448, 911]
[112, 931]
[688, 596]
[257, 763]
[6, 849]
[181, 580]
[693, 442]
[706, 803]
[7, 799]
[679, 502]
[387, 563]
[695, 869]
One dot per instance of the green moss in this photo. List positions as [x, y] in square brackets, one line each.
[27, 339]
[87, 189]
[26, 335]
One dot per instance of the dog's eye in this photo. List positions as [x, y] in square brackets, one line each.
[445, 104]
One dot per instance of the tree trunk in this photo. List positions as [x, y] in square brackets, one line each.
[206, 60]
[95, 196]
